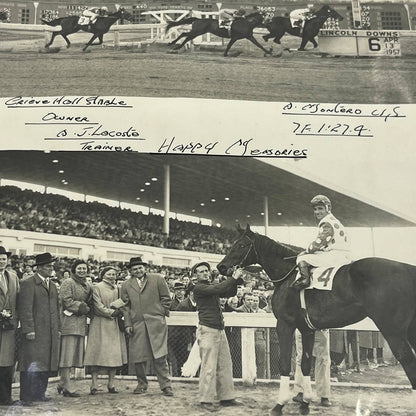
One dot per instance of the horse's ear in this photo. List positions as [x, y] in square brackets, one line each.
[239, 229]
[248, 227]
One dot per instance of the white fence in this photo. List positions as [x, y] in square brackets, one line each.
[152, 32]
[248, 322]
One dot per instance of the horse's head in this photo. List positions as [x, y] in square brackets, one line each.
[256, 17]
[242, 253]
[327, 11]
[122, 13]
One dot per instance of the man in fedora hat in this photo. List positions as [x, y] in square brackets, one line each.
[9, 288]
[147, 301]
[39, 318]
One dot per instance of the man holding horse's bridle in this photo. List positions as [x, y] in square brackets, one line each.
[330, 248]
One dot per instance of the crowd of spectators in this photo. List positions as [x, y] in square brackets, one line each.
[49, 213]
[252, 297]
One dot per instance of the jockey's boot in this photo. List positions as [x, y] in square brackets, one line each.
[305, 278]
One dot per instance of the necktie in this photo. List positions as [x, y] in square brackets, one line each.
[3, 284]
[47, 282]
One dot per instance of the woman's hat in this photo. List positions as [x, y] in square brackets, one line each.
[44, 258]
[3, 251]
[136, 261]
[104, 270]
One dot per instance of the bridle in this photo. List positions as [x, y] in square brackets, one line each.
[253, 246]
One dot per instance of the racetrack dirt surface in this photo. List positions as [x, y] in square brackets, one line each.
[153, 71]
[257, 400]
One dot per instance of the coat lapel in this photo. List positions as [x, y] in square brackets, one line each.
[135, 284]
[39, 281]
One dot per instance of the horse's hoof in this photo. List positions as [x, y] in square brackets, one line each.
[277, 410]
[304, 408]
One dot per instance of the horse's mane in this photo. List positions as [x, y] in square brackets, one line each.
[284, 249]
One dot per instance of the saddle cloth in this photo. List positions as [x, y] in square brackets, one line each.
[322, 278]
[85, 20]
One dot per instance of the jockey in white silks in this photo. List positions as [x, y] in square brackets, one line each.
[329, 249]
[89, 16]
[298, 17]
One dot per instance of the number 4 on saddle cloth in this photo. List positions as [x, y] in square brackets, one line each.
[322, 278]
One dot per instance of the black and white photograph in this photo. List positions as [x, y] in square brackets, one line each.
[349, 51]
[169, 169]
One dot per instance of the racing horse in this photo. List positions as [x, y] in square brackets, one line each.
[279, 25]
[381, 289]
[241, 28]
[70, 25]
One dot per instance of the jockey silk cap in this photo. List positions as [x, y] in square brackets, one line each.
[321, 200]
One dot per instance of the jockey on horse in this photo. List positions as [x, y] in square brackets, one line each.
[330, 248]
[89, 16]
[298, 17]
[227, 16]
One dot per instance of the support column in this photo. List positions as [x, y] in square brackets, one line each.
[266, 215]
[166, 198]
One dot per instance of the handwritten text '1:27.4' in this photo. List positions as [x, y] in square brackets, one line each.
[331, 129]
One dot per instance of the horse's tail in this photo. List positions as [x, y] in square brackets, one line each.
[55, 22]
[181, 22]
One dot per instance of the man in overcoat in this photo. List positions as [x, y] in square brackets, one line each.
[147, 301]
[9, 288]
[39, 318]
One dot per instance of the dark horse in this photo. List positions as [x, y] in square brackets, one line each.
[278, 26]
[241, 28]
[70, 25]
[381, 289]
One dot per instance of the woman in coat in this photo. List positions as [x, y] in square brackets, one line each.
[106, 347]
[75, 295]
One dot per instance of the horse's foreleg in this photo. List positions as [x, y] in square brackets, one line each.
[54, 34]
[89, 42]
[253, 40]
[303, 44]
[285, 335]
[230, 43]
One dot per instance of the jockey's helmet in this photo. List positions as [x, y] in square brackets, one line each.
[322, 200]
[104, 8]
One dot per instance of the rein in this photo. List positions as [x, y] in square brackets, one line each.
[253, 246]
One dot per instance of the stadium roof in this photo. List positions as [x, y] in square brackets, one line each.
[231, 189]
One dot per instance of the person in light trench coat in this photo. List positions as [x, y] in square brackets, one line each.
[147, 301]
[106, 346]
